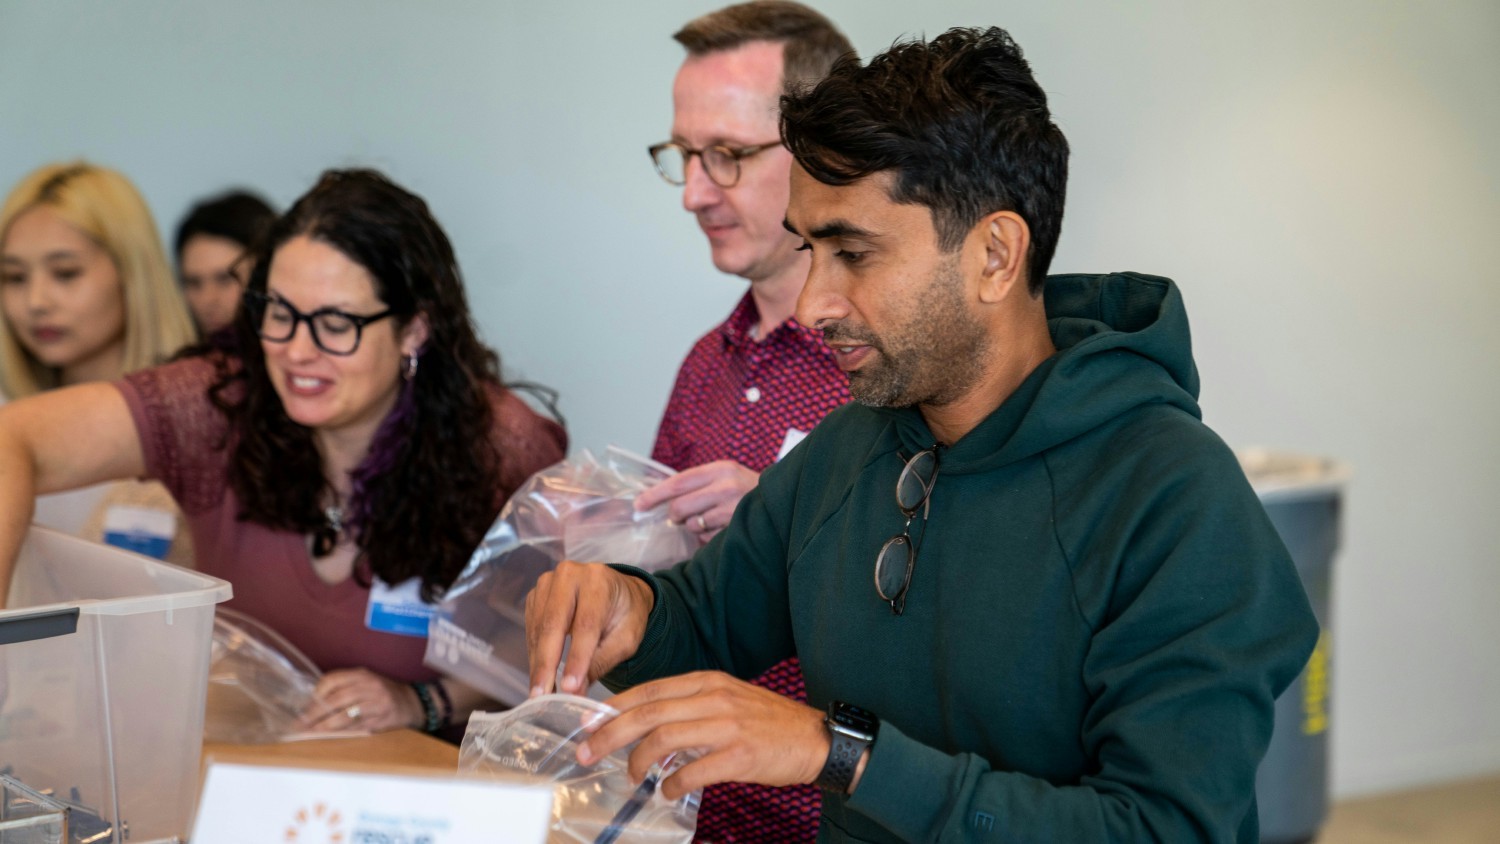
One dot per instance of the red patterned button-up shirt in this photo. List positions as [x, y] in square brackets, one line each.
[747, 400]
[740, 399]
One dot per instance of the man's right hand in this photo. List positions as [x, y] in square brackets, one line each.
[603, 611]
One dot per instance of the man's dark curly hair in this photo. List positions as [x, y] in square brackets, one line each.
[959, 121]
[429, 486]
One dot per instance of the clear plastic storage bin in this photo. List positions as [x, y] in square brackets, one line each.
[103, 670]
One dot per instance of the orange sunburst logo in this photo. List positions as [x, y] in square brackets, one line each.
[318, 825]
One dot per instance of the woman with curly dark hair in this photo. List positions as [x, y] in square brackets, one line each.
[338, 468]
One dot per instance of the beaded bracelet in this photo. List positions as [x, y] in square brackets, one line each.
[434, 721]
[445, 700]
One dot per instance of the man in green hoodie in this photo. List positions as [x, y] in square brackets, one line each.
[1034, 597]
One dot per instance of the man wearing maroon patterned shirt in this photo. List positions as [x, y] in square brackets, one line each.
[752, 387]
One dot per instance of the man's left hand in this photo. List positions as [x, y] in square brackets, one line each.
[742, 733]
[703, 497]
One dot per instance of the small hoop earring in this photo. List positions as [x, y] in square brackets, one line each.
[409, 367]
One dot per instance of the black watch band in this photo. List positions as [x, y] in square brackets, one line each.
[851, 731]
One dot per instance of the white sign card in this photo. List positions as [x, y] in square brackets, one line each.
[254, 804]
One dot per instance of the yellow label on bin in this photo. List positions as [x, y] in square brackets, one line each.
[1315, 689]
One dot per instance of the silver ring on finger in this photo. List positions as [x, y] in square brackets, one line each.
[353, 712]
[702, 523]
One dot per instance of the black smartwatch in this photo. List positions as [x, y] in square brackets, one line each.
[851, 731]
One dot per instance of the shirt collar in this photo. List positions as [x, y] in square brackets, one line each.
[745, 316]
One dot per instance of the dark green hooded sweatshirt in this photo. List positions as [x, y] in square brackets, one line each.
[1099, 618]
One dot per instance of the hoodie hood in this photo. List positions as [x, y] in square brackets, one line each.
[1122, 342]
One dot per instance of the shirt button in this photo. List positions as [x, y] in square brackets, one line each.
[752, 395]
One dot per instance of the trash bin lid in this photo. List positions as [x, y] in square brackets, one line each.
[1282, 475]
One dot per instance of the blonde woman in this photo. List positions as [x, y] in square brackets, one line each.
[86, 294]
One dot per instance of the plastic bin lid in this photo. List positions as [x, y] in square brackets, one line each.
[1282, 475]
[107, 580]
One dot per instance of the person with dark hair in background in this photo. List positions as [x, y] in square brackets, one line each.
[340, 469]
[1034, 597]
[214, 245]
[751, 388]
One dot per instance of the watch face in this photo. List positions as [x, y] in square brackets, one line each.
[851, 716]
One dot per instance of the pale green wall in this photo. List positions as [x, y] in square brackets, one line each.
[1320, 177]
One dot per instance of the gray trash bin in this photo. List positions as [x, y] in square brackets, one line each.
[1303, 496]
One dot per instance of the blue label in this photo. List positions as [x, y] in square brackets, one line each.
[398, 619]
[398, 609]
[140, 543]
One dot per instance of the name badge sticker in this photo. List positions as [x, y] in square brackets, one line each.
[398, 609]
[144, 530]
[793, 436]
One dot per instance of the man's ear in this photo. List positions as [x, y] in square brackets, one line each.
[414, 335]
[1006, 240]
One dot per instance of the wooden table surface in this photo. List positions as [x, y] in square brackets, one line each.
[1461, 812]
[1466, 812]
[406, 750]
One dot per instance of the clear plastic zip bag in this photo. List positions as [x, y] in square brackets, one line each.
[596, 804]
[258, 682]
[580, 509]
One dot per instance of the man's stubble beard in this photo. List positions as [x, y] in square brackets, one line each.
[932, 359]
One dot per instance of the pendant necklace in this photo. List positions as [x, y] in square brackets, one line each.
[326, 537]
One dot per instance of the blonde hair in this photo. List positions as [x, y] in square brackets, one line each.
[104, 206]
